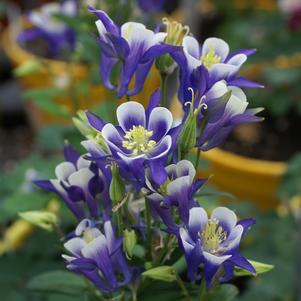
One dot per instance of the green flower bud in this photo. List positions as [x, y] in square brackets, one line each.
[188, 134]
[258, 266]
[117, 186]
[82, 124]
[43, 219]
[163, 273]
[129, 242]
[29, 67]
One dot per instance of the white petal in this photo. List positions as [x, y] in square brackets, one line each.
[225, 216]
[64, 170]
[215, 260]
[236, 106]
[234, 238]
[186, 240]
[160, 121]
[81, 178]
[191, 46]
[101, 29]
[220, 47]
[82, 226]
[221, 71]
[237, 60]
[82, 163]
[217, 90]
[198, 218]
[129, 114]
[136, 33]
[75, 245]
[238, 93]
[185, 168]
[178, 186]
[93, 249]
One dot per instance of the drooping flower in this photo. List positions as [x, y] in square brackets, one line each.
[98, 256]
[81, 184]
[212, 61]
[213, 244]
[133, 46]
[172, 186]
[226, 107]
[47, 26]
[142, 136]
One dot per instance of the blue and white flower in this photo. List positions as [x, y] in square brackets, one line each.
[132, 45]
[80, 183]
[98, 256]
[142, 136]
[204, 65]
[172, 186]
[226, 107]
[47, 26]
[213, 243]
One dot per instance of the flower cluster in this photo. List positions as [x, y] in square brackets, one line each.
[135, 187]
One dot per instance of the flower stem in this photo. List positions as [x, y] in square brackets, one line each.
[197, 160]
[164, 78]
[183, 288]
[202, 294]
[148, 230]
[119, 221]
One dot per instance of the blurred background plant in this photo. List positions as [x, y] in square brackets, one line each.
[39, 93]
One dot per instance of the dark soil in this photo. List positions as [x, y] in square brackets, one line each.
[274, 139]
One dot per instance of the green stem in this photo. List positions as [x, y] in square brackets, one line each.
[164, 78]
[119, 221]
[148, 230]
[202, 294]
[163, 251]
[197, 161]
[183, 288]
[128, 98]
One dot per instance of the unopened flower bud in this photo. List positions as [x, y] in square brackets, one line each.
[129, 242]
[43, 219]
[117, 187]
[163, 273]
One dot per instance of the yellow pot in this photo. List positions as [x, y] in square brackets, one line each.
[55, 72]
[246, 178]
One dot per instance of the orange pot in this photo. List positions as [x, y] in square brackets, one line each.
[54, 72]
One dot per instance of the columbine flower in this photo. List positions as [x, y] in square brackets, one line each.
[133, 45]
[213, 243]
[175, 33]
[79, 182]
[142, 136]
[47, 26]
[212, 61]
[226, 107]
[98, 256]
[174, 186]
[151, 5]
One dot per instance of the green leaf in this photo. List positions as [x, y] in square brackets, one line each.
[59, 282]
[163, 273]
[19, 202]
[224, 292]
[259, 267]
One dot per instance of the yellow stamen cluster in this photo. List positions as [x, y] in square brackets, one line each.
[210, 58]
[137, 140]
[175, 32]
[87, 236]
[212, 235]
